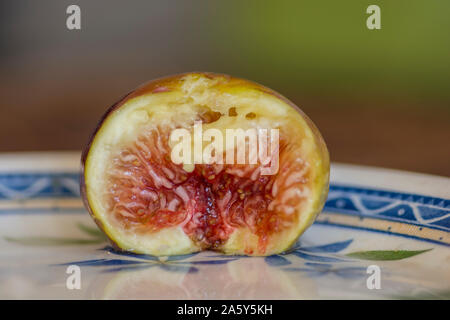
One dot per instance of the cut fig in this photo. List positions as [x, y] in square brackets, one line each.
[147, 202]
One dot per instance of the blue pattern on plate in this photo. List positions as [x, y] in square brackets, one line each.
[19, 186]
[318, 259]
[414, 209]
[180, 263]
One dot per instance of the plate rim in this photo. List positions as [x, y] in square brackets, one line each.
[53, 177]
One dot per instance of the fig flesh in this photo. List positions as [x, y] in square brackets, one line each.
[148, 203]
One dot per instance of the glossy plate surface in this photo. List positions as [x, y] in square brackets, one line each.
[376, 221]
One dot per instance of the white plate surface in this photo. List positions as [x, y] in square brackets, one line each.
[397, 223]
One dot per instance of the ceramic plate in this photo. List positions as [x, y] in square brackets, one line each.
[383, 234]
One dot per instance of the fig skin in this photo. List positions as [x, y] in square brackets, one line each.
[172, 83]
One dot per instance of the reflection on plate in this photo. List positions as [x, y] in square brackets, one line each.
[399, 222]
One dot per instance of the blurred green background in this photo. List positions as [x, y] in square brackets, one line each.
[379, 97]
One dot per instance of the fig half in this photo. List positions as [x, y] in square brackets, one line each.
[147, 202]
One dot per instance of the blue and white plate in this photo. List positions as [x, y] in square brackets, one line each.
[383, 234]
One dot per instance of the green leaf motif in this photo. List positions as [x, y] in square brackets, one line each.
[432, 295]
[47, 241]
[385, 255]
[96, 237]
[92, 231]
